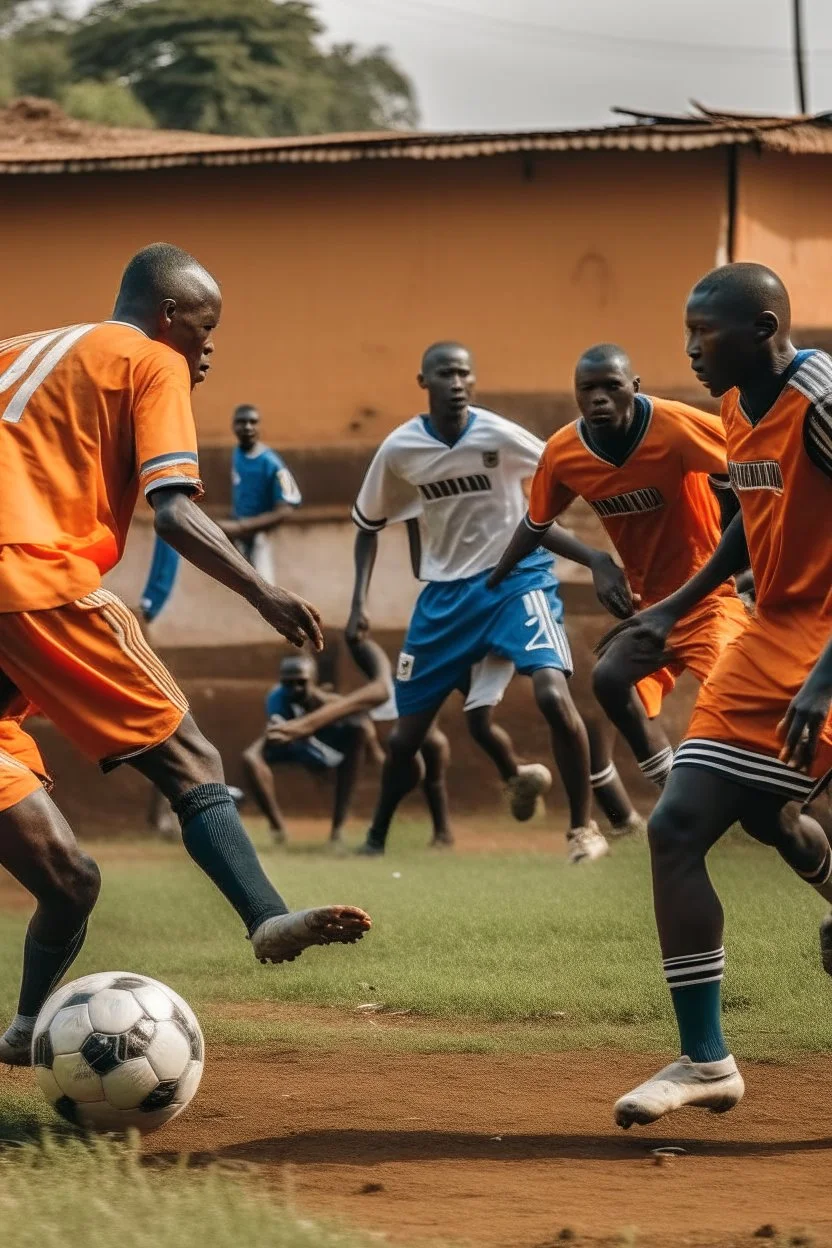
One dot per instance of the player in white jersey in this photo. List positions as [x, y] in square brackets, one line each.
[465, 469]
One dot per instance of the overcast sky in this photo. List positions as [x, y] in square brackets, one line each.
[493, 64]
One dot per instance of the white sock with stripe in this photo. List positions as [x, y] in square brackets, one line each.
[598, 779]
[657, 767]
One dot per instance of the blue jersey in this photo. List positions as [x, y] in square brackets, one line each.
[259, 482]
[279, 702]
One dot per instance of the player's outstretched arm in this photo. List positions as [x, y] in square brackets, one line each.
[655, 623]
[608, 577]
[524, 540]
[366, 549]
[252, 525]
[186, 528]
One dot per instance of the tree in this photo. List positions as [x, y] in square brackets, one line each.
[238, 67]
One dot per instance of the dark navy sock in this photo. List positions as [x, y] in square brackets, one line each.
[695, 982]
[215, 838]
[43, 968]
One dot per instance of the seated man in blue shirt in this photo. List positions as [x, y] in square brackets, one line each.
[263, 490]
[339, 747]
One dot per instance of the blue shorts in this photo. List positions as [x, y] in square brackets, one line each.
[457, 623]
[319, 753]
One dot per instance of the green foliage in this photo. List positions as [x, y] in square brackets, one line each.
[251, 67]
[106, 103]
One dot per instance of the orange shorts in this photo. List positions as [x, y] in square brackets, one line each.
[88, 668]
[696, 642]
[733, 728]
[21, 767]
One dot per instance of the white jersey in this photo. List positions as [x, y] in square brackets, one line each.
[469, 497]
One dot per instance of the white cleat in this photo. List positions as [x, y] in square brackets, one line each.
[586, 844]
[530, 783]
[716, 1086]
[15, 1048]
[284, 936]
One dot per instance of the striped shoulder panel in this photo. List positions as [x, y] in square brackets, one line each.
[814, 377]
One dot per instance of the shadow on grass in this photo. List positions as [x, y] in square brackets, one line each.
[373, 1147]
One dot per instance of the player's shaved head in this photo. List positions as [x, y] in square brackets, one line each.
[744, 291]
[738, 319]
[605, 389]
[167, 294]
[298, 667]
[162, 271]
[441, 350]
[605, 354]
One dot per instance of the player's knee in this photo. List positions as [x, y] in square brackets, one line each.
[675, 829]
[198, 761]
[555, 701]
[436, 751]
[609, 687]
[402, 745]
[74, 883]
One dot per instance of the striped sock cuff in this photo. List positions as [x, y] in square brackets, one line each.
[694, 968]
[599, 778]
[657, 767]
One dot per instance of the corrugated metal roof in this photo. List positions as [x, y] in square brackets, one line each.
[36, 137]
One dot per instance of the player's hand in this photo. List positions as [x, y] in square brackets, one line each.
[647, 631]
[801, 726]
[295, 619]
[284, 732]
[358, 626]
[613, 588]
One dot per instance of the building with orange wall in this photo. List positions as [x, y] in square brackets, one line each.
[342, 256]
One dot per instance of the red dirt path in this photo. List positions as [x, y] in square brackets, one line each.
[510, 1150]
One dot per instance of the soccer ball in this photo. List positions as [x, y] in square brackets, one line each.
[116, 1051]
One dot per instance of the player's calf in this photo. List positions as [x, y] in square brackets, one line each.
[40, 851]
[613, 680]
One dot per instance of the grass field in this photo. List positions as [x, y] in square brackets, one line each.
[493, 953]
[560, 957]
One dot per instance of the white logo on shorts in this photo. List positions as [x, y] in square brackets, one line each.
[404, 670]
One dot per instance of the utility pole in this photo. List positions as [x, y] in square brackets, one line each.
[799, 58]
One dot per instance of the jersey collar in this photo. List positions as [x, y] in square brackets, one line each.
[432, 432]
[641, 423]
[754, 418]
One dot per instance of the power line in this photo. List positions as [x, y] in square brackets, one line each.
[418, 11]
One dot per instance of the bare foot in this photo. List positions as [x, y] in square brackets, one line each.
[282, 937]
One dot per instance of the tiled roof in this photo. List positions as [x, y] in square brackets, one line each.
[36, 137]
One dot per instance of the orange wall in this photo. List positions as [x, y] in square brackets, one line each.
[785, 222]
[336, 276]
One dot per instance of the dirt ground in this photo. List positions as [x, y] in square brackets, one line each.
[515, 1150]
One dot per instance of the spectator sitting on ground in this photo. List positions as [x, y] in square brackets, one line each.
[338, 747]
[263, 491]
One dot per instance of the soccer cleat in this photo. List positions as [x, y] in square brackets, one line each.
[284, 936]
[532, 780]
[826, 943]
[370, 849]
[446, 841]
[586, 844]
[633, 826]
[716, 1086]
[16, 1048]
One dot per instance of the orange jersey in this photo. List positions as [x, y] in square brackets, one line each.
[656, 504]
[781, 470]
[88, 414]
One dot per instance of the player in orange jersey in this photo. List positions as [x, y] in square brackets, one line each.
[89, 415]
[648, 468]
[760, 732]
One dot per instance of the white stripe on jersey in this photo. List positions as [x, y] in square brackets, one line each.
[470, 495]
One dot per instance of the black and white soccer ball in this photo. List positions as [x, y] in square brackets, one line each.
[116, 1051]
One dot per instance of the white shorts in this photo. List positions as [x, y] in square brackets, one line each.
[489, 680]
[258, 551]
